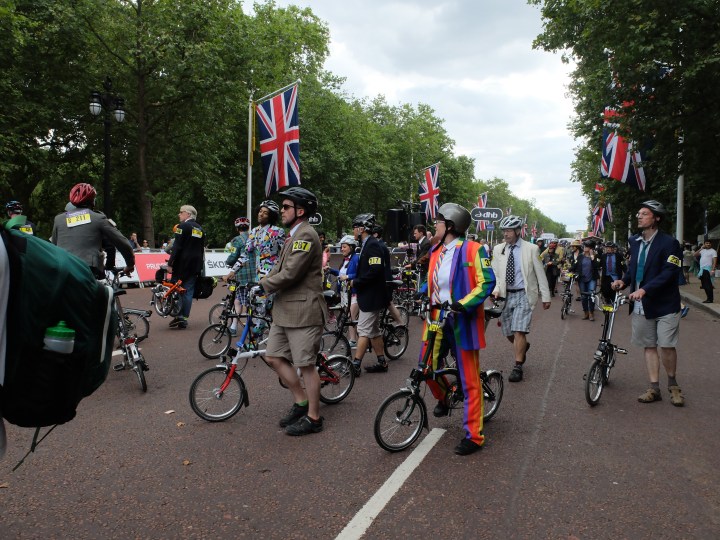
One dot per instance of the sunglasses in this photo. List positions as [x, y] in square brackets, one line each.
[287, 206]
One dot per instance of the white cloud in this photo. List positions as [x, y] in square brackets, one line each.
[503, 103]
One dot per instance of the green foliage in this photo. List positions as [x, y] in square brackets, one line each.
[642, 36]
[187, 70]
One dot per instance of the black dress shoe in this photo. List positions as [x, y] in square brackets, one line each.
[466, 447]
[440, 410]
[377, 368]
[707, 301]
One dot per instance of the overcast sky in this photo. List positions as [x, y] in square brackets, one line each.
[503, 103]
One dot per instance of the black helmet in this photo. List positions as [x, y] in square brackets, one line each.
[655, 207]
[589, 243]
[301, 196]
[456, 215]
[378, 229]
[364, 220]
[15, 207]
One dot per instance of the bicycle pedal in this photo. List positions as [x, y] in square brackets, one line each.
[620, 350]
[119, 367]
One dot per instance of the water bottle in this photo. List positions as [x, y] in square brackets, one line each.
[60, 338]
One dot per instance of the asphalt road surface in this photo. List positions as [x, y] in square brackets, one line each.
[135, 465]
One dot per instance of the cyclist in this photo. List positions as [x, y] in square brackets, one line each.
[82, 231]
[459, 273]
[347, 272]
[186, 260]
[245, 272]
[15, 209]
[587, 268]
[377, 233]
[653, 275]
[521, 279]
[299, 312]
[372, 293]
[266, 240]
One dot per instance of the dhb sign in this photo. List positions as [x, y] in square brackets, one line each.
[486, 214]
[315, 220]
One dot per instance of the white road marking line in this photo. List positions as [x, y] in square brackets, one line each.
[367, 514]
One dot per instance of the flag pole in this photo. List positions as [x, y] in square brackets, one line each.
[251, 146]
[276, 92]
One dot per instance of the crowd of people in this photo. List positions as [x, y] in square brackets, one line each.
[288, 260]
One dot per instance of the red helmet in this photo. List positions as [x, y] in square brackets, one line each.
[82, 195]
[242, 221]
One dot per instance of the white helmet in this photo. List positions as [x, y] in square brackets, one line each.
[511, 222]
[349, 240]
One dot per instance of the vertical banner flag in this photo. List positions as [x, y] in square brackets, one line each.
[508, 210]
[599, 217]
[523, 231]
[280, 140]
[429, 191]
[599, 188]
[534, 230]
[482, 203]
[619, 160]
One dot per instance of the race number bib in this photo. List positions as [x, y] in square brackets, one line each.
[374, 260]
[300, 245]
[197, 233]
[75, 219]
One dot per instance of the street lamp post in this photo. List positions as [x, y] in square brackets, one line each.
[108, 103]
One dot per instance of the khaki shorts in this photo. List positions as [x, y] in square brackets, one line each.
[299, 346]
[369, 324]
[660, 332]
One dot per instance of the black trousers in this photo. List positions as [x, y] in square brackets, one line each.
[706, 284]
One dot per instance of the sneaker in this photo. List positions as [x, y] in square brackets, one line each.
[295, 413]
[676, 397]
[440, 410]
[353, 344]
[175, 322]
[356, 368]
[305, 426]
[516, 375]
[379, 367]
[650, 395]
[182, 325]
[233, 331]
[684, 311]
[467, 447]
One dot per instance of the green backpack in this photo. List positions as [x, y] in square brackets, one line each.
[48, 285]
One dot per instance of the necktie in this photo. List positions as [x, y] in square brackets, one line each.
[640, 273]
[510, 272]
[436, 277]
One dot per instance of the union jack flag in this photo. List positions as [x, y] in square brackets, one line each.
[280, 140]
[599, 217]
[534, 230]
[429, 191]
[619, 160]
[482, 203]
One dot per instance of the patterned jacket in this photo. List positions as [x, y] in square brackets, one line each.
[264, 243]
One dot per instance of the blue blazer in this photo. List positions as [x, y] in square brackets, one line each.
[663, 263]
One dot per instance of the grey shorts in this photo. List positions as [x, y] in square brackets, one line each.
[299, 346]
[661, 332]
[517, 315]
[369, 324]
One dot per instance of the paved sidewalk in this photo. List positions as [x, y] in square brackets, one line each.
[694, 296]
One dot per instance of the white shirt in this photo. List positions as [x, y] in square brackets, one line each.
[517, 257]
[443, 273]
[707, 256]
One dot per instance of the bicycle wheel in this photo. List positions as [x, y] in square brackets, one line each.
[563, 310]
[399, 421]
[492, 386]
[214, 341]
[175, 305]
[209, 403]
[332, 343]
[404, 317]
[395, 341]
[139, 369]
[594, 383]
[136, 325]
[337, 378]
[160, 302]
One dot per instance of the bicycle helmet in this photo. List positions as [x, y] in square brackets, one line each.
[301, 196]
[378, 229]
[270, 205]
[349, 240]
[242, 222]
[511, 222]
[456, 215]
[82, 195]
[364, 220]
[14, 207]
[655, 207]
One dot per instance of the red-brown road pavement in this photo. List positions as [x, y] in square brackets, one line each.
[552, 467]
